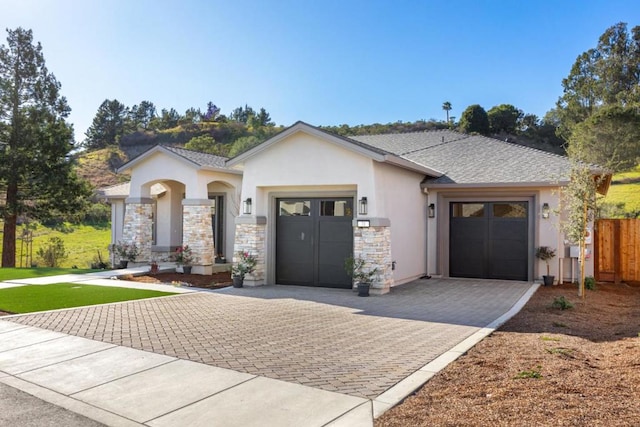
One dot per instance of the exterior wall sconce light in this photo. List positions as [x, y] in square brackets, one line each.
[432, 210]
[246, 206]
[545, 210]
[362, 206]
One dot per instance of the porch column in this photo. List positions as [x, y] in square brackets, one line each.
[251, 232]
[373, 244]
[197, 232]
[138, 225]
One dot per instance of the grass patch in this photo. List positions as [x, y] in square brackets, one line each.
[543, 338]
[27, 299]
[25, 273]
[559, 324]
[533, 373]
[560, 350]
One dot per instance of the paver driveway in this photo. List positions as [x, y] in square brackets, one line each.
[324, 338]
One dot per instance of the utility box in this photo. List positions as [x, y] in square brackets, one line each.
[574, 251]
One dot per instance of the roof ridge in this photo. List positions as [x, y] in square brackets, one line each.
[407, 133]
[462, 136]
[173, 147]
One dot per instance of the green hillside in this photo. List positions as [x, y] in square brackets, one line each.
[81, 243]
[623, 197]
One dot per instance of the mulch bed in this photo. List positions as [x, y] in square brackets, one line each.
[545, 366]
[213, 281]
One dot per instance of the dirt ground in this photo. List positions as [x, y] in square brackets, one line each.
[546, 366]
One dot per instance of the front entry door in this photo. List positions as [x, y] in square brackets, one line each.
[314, 236]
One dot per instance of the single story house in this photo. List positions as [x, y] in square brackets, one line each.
[438, 203]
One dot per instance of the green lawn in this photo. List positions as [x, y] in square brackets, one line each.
[27, 299]
[25, 273]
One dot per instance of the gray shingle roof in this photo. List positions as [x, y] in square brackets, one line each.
[472, 159]
[202, 159]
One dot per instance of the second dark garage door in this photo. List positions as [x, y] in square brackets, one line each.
[489, 240]
[313, 238]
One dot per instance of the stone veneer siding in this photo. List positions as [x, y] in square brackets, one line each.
[251, 238]
[138, 227]
[197, 233]
[373, 244]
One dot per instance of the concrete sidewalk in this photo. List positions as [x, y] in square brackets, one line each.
[120, 386]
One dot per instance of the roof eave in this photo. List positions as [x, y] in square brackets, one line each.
[346, 143]
[223, 170]
[546, 184]
[155, 149]
[410, 165]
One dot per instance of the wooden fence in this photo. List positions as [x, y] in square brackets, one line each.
[617, 250]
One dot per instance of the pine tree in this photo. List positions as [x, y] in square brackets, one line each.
[36, 174]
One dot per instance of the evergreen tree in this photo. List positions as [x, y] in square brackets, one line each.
[36, 174]
[609, 74]
[142, 115]
[475, 120]
[108, 126]
[504, 118]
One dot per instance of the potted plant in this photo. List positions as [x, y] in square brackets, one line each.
[356, 269]
[184, 257]
[245, 264]
[220, 259]
[127, 252]
[154, 267]
[545, 253]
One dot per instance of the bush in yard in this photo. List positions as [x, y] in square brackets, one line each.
[53, 252]
[590, 283]
[562, 303]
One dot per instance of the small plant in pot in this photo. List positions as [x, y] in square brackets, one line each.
[126, 252]
[545, 253]
[245, 264]
[361, 275]
[184, 257]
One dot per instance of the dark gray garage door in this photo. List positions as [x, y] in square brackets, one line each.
[313, 239]
[489, 240]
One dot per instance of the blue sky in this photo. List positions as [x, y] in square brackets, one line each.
[327, 63]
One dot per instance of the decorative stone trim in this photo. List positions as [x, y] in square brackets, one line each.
[373, 222]
[248, 219]
[198, 233]
[251, 238]
[138, 227]
[373, 244]
[197, 202]
[139, 200]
